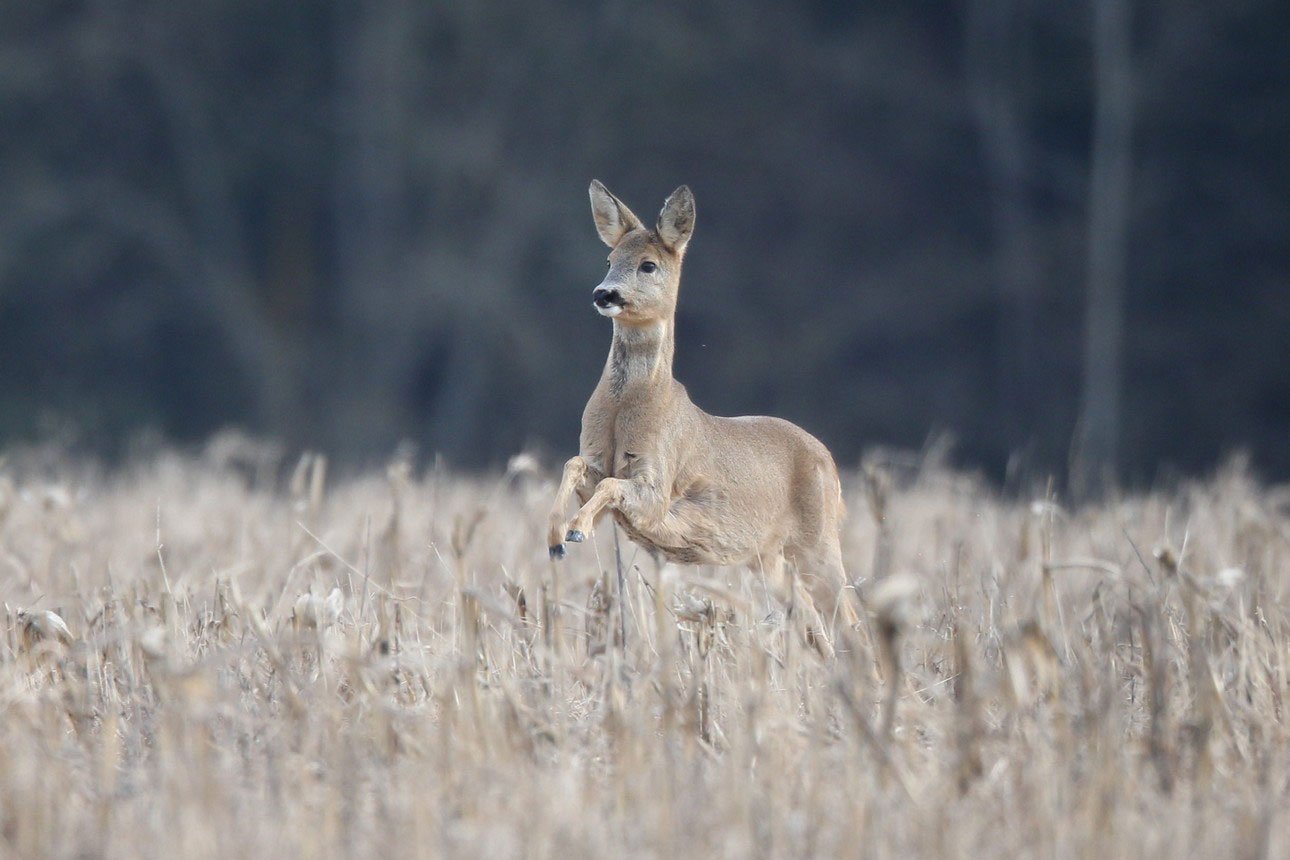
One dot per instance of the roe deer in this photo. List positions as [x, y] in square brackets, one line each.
[690, 486]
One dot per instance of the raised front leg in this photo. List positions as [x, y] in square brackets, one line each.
[573, 480]
[610, 493]
[642, 499]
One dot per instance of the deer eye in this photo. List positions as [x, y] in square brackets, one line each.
[648, 268]
[608, 264]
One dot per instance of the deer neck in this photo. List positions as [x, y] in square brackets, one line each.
[640, 357]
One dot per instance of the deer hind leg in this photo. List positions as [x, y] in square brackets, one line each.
[802, 612]
[826, 579]
[575, 480]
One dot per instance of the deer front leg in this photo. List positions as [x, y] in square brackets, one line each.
[608, 494]
[638, 499]
[573, 480]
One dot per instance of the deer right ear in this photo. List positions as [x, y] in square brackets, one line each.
[613, 219]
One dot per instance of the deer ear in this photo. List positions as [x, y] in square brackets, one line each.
[613, 219]
[676, 221]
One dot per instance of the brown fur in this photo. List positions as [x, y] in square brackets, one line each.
[690, 486]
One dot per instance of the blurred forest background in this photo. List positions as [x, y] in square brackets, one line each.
[1058, 231]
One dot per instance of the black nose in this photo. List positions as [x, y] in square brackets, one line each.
[605, 297]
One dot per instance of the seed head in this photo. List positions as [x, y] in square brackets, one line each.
[1230, 577]
[892, 601]
[1167, 557]
[41, 626]
[314, 613]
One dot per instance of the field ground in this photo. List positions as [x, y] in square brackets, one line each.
[389, 664]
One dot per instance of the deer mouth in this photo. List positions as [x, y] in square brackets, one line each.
[608, 302]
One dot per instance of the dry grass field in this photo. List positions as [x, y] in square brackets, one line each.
[388, 664]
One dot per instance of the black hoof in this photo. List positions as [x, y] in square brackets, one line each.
[557, 551]
[575, 536]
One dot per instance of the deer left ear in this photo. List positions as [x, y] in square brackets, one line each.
[676, 221]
